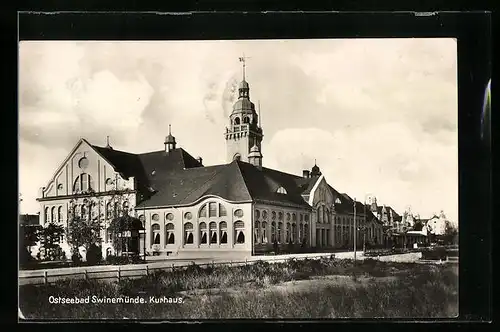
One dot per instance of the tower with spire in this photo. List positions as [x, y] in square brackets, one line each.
[244, 134]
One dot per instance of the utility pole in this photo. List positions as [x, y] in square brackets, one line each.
[355, 232]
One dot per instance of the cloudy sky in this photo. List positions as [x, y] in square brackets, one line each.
[378, 115]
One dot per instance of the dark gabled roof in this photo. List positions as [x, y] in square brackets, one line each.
[162, 162]
[146, 167]
[125, 163]
[237, 182]
[29, 219]
[263, 184]
[306, 184]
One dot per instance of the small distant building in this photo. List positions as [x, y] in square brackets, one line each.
[29, 220]
[437, 224]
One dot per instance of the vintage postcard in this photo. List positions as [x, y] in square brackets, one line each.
[297, 178]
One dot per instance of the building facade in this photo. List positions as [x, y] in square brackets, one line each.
[191, 210]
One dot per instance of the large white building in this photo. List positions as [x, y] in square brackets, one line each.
[192, 210]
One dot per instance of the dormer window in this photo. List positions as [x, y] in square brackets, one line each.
[338, 201]
[281, 190]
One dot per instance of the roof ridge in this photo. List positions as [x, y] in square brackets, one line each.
[290, 174]
[120, 151]
[182, 158]
[238, 166]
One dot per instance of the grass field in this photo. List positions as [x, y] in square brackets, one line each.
[325, 288]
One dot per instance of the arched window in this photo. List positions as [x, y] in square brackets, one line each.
[170, 237]
[77, 211]
[109, 210]
[109, 184]
[287, 234]
[236, 121]
[293, 238]
[306, 234]
[273, 215]
[53, 214]
[246, 119]
[301, 232]
[213, 232]
[203, 212]
[76, 185]
[212, 209]
[256, 230]
[222, 211]
[263, 232]
[306, 218]
[125, 208]
[203, 233]
[264, 214]
[83, 182]
[188, 233]
[280, 232]
[83, 211]
[320, 214]
[280, 216]
[223, 232]
[301, 217]
[294, 217]
[239, 232]
[281, 190]
[273, 232]
[59, 214]
[47, 215]
[155, 232]
[257, 214]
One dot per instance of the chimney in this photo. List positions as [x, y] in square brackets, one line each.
[305, 173]
[200, 160]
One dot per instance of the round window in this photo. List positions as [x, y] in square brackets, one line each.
[169, 216]
[83, 162]
[238, 213]
[155, 217]
[188, 215]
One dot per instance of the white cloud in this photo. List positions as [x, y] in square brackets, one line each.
[379, 115]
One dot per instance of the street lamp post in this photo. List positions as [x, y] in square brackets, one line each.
[355, 230]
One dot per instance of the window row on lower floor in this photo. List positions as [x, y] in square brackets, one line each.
[205, 237]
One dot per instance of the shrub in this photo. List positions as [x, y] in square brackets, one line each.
[437, 253]
[123, 260]
[94, 255]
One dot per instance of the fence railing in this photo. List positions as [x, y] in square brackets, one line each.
[136, 271]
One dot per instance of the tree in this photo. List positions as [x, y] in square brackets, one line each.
[90, 215]
[124, 229]
[50, 236]
[28, 236]
[418, 226]
[84, 226]
[450, 234]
